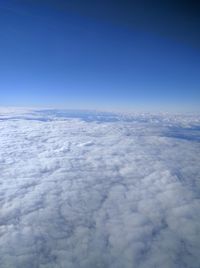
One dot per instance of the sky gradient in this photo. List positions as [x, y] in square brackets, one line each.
[100, 54]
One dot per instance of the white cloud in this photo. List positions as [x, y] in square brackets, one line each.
[88, 192]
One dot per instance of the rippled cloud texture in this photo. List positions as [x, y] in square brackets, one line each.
[99, 190]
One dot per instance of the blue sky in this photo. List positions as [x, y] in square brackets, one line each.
[72, 57]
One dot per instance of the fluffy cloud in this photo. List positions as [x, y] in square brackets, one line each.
[99, 190]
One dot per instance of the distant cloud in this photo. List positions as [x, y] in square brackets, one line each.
[113, 191]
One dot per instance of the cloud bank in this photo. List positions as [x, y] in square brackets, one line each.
[80, 189]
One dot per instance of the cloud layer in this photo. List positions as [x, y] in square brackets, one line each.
[99, 190]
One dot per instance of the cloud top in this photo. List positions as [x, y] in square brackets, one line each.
[99, 190]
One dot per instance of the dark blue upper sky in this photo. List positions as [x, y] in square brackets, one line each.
[100, 54]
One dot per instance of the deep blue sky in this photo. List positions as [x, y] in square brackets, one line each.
[100, 54]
